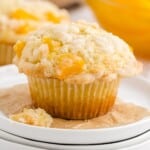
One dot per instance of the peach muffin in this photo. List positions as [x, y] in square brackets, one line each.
[74, 69]
[19, 17]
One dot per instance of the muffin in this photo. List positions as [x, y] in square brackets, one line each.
[19, 17]
[74, 69]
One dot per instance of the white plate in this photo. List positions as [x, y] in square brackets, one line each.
[134, 90]
[7, 145]
[139, 142]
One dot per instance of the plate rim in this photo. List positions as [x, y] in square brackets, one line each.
[27, 142]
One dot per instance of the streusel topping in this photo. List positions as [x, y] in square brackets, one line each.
[75, 52]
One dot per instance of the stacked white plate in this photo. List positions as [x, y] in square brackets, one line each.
[135, 136]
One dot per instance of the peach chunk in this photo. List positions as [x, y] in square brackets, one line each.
[69, 64]
[18, 47]
[25, 28]
[52, 44]
[22, 14]
[52, 17]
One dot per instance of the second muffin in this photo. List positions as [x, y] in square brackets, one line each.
[74, 69]
[19, 17]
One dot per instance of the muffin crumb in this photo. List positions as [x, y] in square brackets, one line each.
[36, 117]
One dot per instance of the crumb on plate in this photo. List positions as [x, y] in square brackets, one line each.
[37, 117]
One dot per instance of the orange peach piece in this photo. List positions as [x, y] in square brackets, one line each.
[52, 17]
[22, 14]
[69, 64]
[18, 47]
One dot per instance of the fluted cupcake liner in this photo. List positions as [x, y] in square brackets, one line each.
[6, 53]
[73, 101]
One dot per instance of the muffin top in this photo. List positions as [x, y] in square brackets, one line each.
[18, 17]
[77, 52]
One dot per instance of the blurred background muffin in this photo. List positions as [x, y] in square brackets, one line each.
[19, 17]
[74, 69]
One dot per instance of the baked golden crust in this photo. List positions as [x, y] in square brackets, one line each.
[75, 52]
